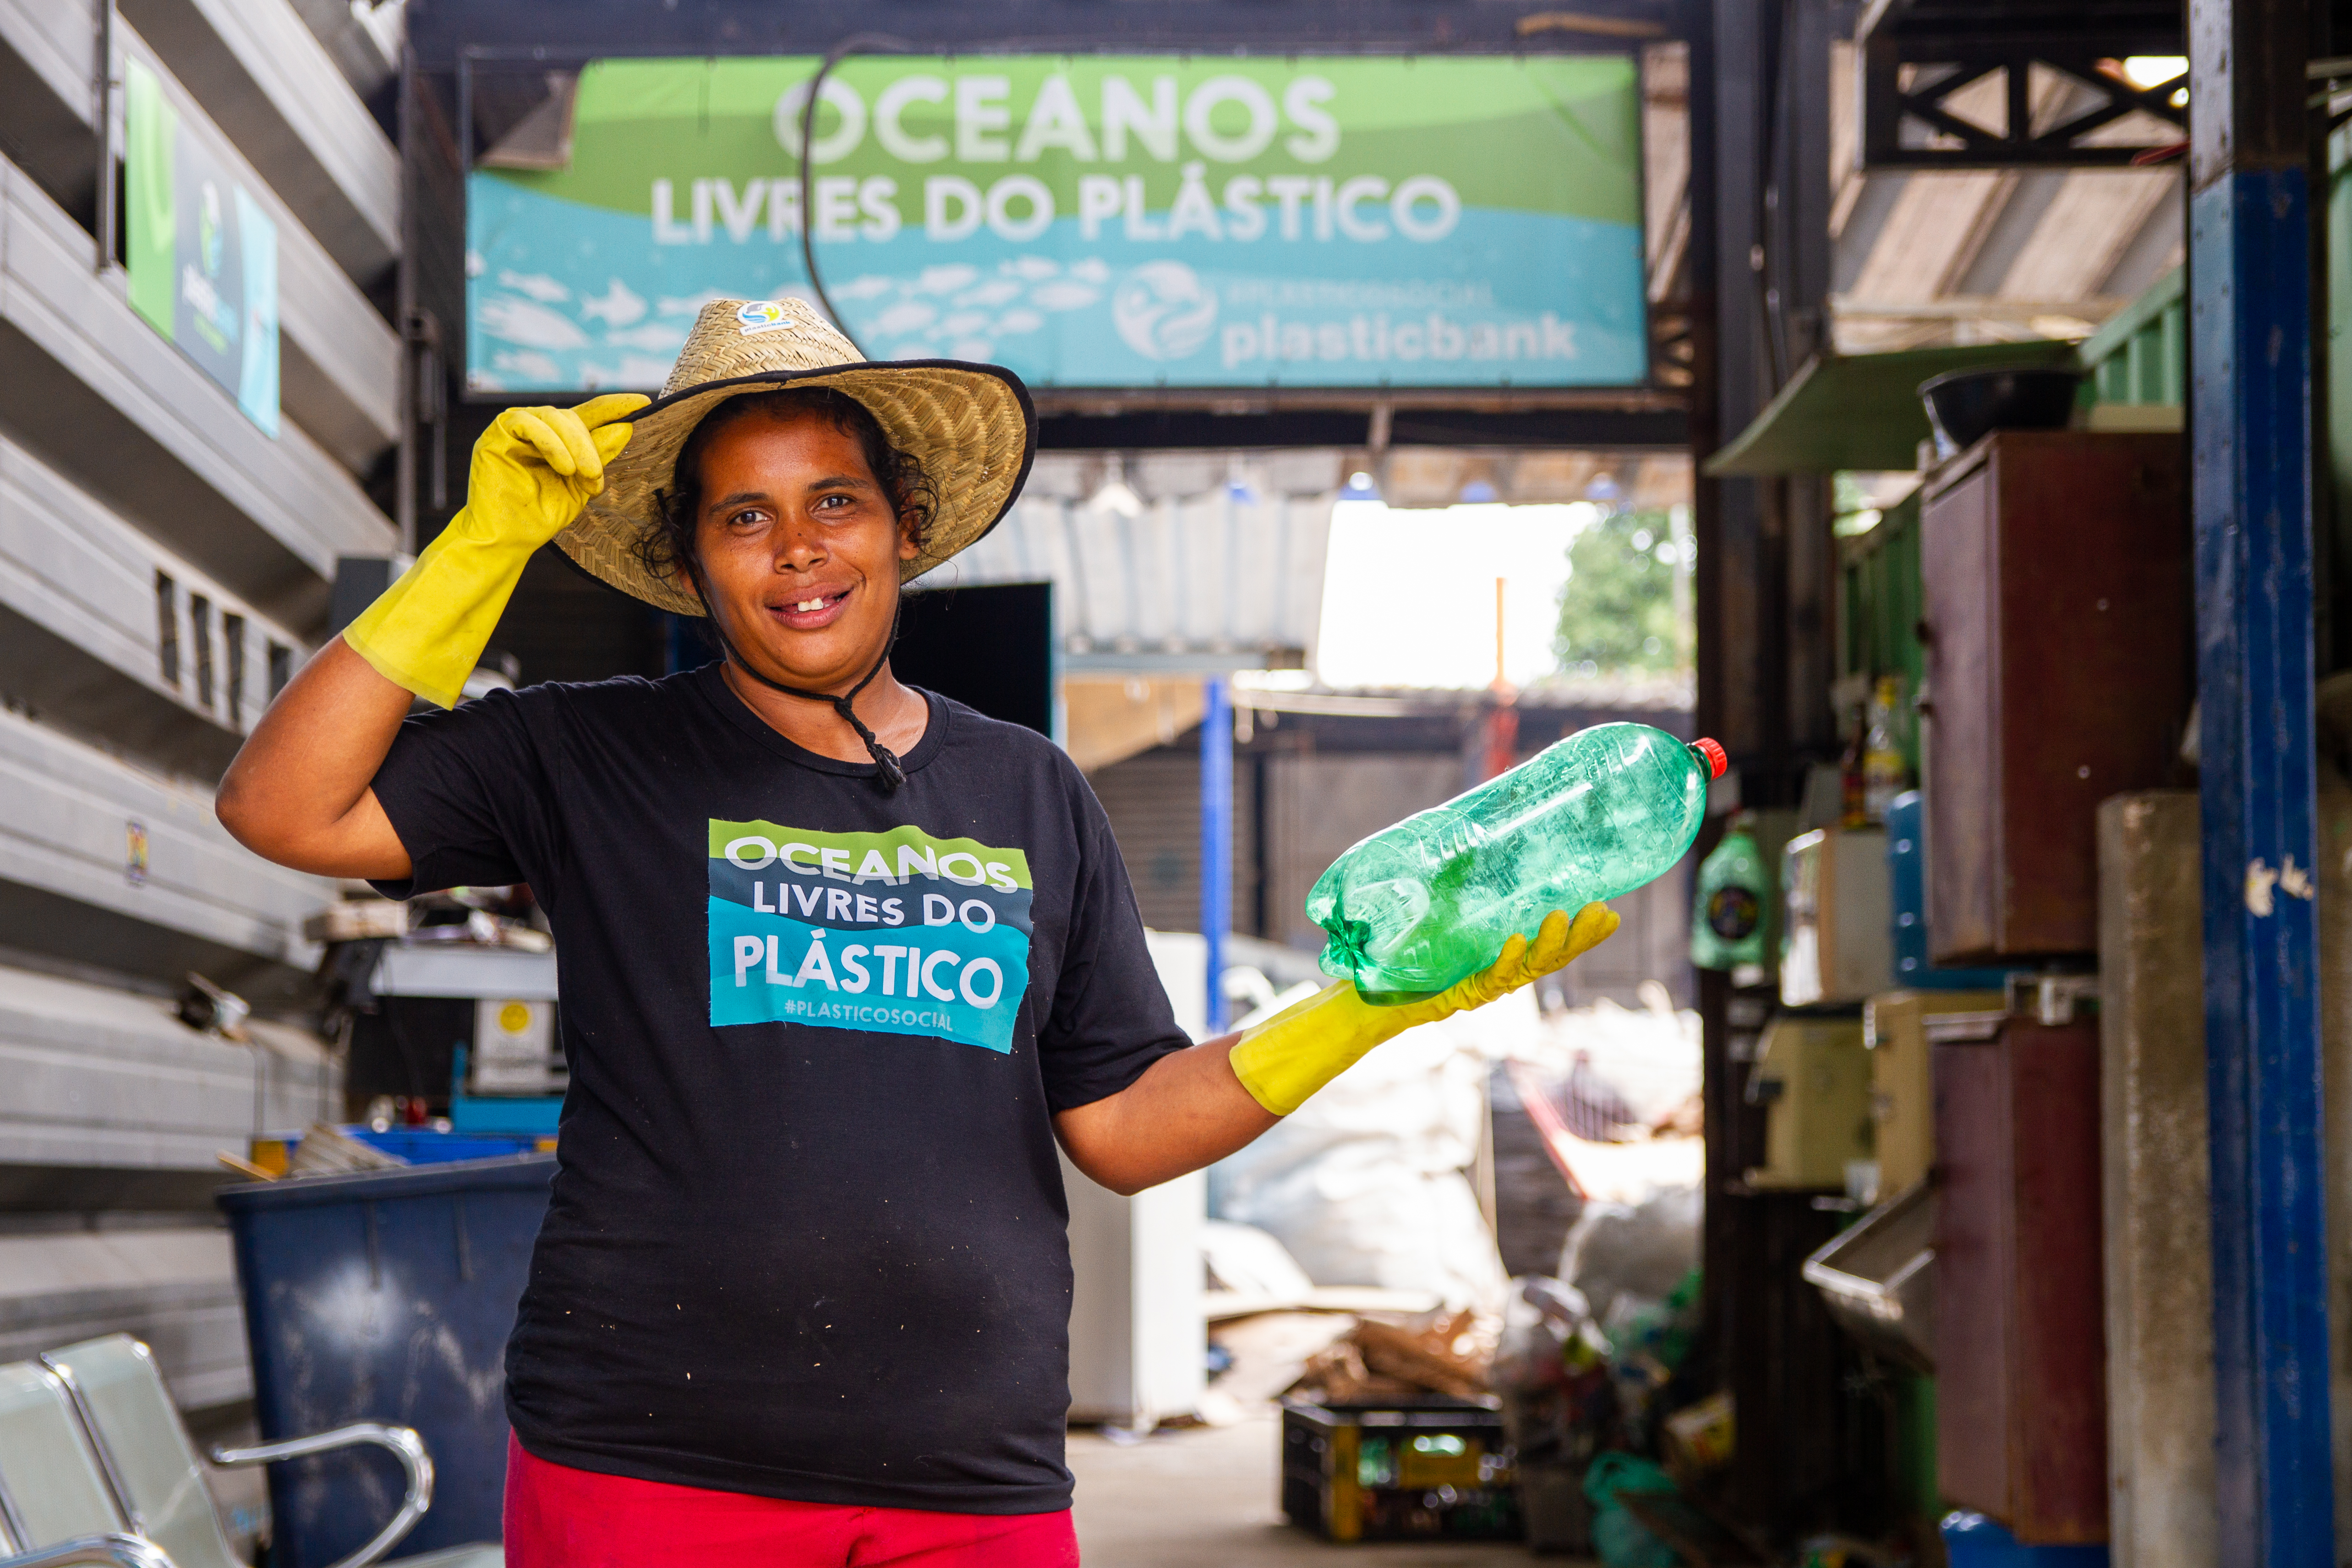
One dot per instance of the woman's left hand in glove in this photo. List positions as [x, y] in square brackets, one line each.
[1292, 1054]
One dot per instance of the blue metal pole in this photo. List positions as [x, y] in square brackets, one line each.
[1216, 837]
[2250, 292]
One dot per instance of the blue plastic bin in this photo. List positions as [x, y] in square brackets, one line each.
[423, 1146]
[385, 1296]
[1972, 1541]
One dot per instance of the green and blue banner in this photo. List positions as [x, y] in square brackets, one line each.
[202, 255]
[895, 933]
[1099, 222]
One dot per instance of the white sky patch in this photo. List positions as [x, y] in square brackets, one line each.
[688, 303]
[657, 337]
[538, 284]
[619, 306]
[905, 316]
[1409, 596]
[530, 326]
[996, 291]
[528, 365]
[946, 279]
[1063, 295]
[633, 371]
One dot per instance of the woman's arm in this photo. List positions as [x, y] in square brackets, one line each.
[298, 792]
[1188, 1110]
[1195, 1106]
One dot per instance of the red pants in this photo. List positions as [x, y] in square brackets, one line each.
[557, 1517]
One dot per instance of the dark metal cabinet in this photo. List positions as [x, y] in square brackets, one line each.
[2060, 641]
[2020, 1328]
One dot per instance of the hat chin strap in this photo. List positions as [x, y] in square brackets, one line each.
[889, 771]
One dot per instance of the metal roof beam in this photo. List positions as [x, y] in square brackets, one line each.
[1919, 55]
[1139, 429]
[440, 29]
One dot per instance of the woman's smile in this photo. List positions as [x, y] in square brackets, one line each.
[805, 609]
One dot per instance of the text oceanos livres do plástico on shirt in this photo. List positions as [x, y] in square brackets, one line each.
[896, 932]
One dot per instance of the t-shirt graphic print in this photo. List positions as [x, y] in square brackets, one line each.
[892, 932]
[806, 1237]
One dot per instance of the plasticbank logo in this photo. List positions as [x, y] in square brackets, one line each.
[1162, 310]
[760, 316]
[895, 932]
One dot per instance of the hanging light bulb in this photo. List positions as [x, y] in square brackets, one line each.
[1117, 494]
[1238, 488]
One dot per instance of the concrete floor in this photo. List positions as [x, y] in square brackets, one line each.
[1204, 1497]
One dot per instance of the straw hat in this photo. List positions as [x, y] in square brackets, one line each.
[971, 426]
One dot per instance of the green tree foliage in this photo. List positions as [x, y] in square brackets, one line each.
[1626, 605]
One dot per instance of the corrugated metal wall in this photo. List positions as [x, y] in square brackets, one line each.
[1154, 804]
[1320, 805]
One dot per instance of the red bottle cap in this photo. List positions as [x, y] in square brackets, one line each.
[1716, 760]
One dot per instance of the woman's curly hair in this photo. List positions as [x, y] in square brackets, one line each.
[668, 549]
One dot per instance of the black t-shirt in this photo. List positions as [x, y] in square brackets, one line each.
[808, 1236]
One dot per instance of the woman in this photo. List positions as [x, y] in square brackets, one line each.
[842, 960]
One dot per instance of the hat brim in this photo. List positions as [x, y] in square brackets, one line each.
[972, 427]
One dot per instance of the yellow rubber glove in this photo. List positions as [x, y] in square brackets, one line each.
[1292, 1054]
[533, 472]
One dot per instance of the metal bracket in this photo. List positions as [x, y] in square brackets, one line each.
[420, 334]
[2051, 1000]
[110, 210]
[1963, 1029]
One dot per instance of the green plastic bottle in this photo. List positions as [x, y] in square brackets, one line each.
[1430, 900]
[1728, 926]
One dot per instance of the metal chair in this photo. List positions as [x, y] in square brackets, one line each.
[158, 1481]
[54, 1508]
[117, 1550]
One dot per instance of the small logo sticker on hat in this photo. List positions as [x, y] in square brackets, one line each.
[765, 316]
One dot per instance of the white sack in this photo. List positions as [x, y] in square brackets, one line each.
[1365, 1184]
[1639, 1249]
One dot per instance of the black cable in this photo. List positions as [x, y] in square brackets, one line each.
[408, 1057]
[1771, 218]
[857, 42]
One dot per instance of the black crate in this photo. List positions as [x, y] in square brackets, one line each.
[1399, 1471]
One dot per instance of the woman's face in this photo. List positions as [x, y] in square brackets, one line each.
[800, 546]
